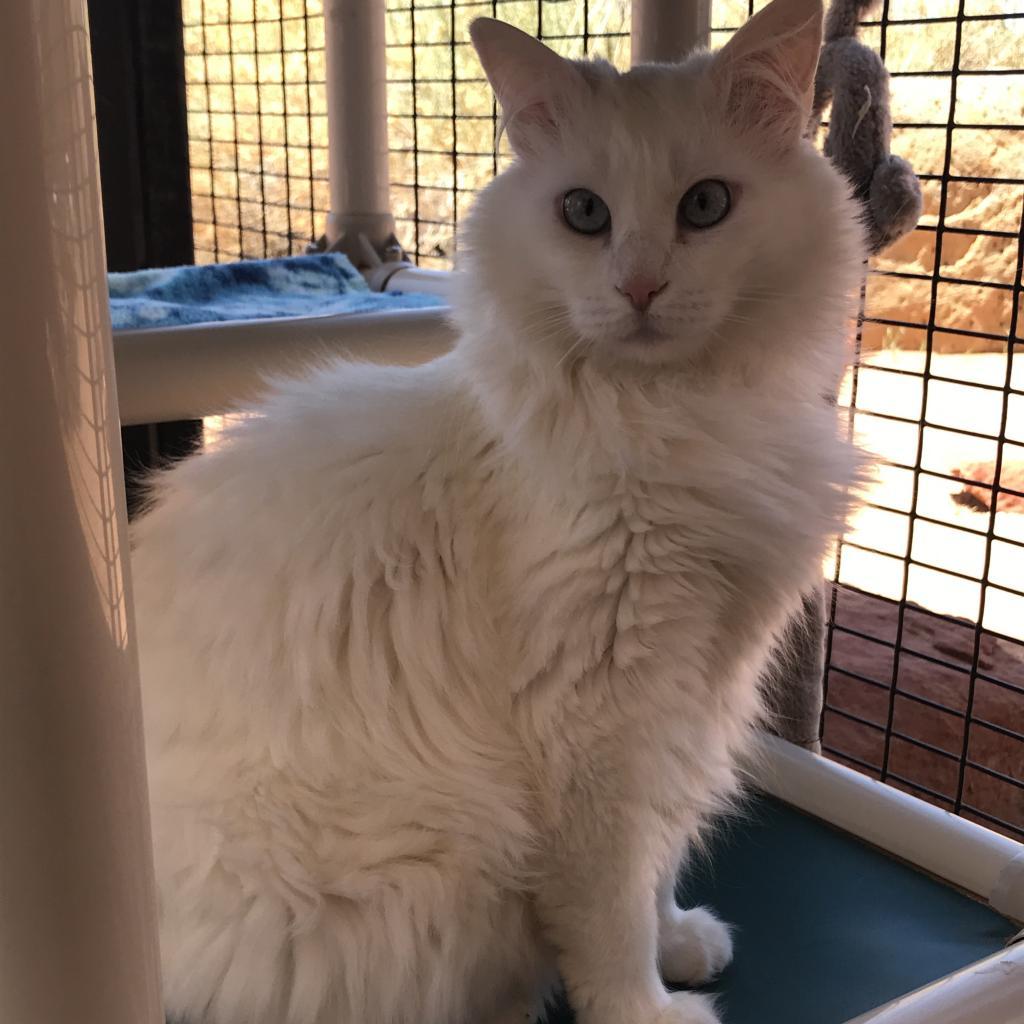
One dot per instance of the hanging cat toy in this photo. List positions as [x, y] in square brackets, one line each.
[853, 78]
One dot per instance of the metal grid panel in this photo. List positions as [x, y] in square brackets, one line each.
[925, 653]
[257, 125]
[257, 109]
[930, 697]
[442, 117]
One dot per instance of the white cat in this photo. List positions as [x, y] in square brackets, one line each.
[445, 667]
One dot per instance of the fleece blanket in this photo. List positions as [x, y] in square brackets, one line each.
[249, 290]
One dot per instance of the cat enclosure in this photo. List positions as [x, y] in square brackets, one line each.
[924, 653]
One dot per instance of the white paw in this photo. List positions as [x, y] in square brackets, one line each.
[693, 946]
[688, 1008]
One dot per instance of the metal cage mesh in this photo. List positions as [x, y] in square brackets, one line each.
[925, 651]
[925, 656]
[257, 125]
[257, 114]
[443, 121]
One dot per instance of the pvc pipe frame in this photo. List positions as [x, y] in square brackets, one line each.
[356, 64]
[173, 373]
[664, 31]
[402, 276]
[985, 863]
[201, 370]
[77, 900]
[357, 127]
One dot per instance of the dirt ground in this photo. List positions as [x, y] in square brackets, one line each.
[949, 685]
[949, 553]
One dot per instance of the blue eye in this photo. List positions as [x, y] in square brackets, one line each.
[585, 211]
[704, 205]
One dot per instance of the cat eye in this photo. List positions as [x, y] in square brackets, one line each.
[585, 211]
[704, 205]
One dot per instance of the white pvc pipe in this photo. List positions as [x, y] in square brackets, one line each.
[404, 277]
[357, 126]
[664, 31]
[990, 991]
[77, 904]
[977, 859]
[175, 373]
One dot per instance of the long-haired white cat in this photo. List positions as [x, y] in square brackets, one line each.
[445, 667]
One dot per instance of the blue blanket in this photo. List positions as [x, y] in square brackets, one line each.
[249, 290]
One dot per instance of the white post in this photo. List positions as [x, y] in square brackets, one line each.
[666, 30]
[357, 128]
[77, 903]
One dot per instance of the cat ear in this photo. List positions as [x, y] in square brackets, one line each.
[767, 70]
[532, 83]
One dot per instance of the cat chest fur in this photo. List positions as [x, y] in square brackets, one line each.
[707, 545]
[648, 614]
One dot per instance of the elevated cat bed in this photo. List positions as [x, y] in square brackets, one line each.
[828, 927]
[199, 341]
[315, 285]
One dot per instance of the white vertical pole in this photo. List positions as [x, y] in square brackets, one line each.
[357, 127]
[77, 904]
[666, 30]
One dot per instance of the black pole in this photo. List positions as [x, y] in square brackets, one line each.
[139, 81]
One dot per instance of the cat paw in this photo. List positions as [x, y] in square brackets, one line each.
[693, 946]
[688, 1008]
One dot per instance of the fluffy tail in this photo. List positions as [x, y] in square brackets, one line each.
[843, 18]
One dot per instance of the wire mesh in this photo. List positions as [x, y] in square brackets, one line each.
[924, 677]
[925, 656]
[257, 125]
[256, 95]
[925, 649]
[442, 118]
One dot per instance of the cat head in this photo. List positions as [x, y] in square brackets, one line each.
[653, 215]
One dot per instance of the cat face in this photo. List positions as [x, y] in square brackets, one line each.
[636, 214]
[653, 213]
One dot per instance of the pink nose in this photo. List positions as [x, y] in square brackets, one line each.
[641, 291]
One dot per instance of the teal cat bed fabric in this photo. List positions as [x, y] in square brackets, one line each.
[826, 927]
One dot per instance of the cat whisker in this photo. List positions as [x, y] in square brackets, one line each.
[543, 313]
[547, 331]
[735, 318]
[571, 350]
[752, 293]
[553, 322]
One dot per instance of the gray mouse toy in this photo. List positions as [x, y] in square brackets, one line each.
[853, 78]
